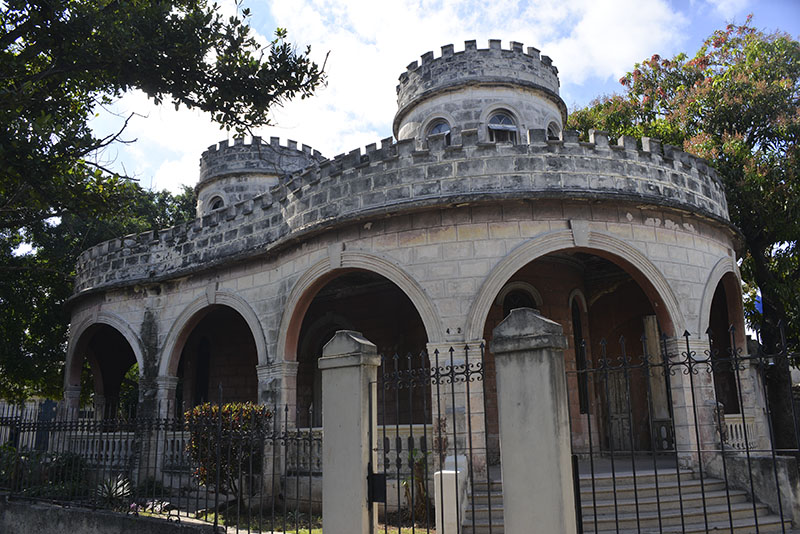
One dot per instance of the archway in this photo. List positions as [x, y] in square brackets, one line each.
[375, 306]
[218, 358]
[600, 300]
[725, 312]
[104, 364]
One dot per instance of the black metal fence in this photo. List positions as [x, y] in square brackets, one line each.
[243, 466]
[668, 440]
[432, 433]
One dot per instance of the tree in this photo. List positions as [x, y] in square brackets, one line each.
[737, 104]
[59, 61]
[33, 319]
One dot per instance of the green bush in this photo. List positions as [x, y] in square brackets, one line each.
[227, 442]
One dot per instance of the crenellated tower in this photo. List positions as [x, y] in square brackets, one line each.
[233, 173]
[500, 92]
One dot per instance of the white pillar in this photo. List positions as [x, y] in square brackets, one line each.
[535, 460]
[349, 366]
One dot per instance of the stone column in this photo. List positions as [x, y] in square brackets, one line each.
[277, 387]
[535, 460]
[166, 387]
[692, 394]
[458, 400]
[349, 366]
[72, 402]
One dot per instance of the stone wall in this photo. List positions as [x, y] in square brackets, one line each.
[397, 178]
[19, 517]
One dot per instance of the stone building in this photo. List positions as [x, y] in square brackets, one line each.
[480, 203]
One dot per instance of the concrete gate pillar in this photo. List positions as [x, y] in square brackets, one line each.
[535, 460]
[349, 366]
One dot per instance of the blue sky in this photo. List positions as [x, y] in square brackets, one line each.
[592, 42]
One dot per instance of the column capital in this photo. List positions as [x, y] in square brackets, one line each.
[277, 369]
[698, 346]
[166, 382]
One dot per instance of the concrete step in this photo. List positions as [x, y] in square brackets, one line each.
[766, 525]
[607, 504]
[627, 519]
[482, 527]
[481, 512]
[664, 488]
[642, 477]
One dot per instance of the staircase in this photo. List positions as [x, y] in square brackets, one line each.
[678, 508]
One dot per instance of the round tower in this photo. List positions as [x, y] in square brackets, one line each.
[502, 93]
[230, 174]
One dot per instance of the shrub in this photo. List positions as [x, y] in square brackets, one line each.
[227, 442]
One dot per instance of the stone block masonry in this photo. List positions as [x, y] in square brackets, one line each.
[398, 178]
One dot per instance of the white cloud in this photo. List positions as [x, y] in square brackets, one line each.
[370, 43]
[728, 9]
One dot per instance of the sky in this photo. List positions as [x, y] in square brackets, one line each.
[369, 43]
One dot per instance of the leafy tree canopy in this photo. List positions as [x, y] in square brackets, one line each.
[59, 61]
[736, 102]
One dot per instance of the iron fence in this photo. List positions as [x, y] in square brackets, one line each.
[432, 459]
[242, 466]
[657, 449]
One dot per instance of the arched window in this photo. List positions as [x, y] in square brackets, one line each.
[553, 132]
[216, 203]
[518, 298]
[440, 126]
[502, 128]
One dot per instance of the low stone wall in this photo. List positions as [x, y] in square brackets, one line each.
[23, 517]
[397, 178]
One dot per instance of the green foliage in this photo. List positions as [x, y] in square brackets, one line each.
[736, 102]
[59, 61]
[112, 492]
[38, 474]
[227, 442]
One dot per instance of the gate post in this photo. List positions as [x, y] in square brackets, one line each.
[349, 366]
[534, 424]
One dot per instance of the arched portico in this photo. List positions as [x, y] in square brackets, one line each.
[324, 271]
[111, 347]
[192, 314]
[601, 244]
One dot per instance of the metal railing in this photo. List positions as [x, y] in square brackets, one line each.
[237, 465]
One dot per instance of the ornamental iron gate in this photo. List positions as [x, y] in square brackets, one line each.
[655, 449]
[431, 434]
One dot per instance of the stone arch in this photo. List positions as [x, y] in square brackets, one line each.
[191, 315]
[323, 271]
[601, 244]
[577, 294]
[727, 272]
[72, 366]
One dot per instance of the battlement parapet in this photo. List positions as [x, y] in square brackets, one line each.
[474, 65]
[393, 178]
[255, 157]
